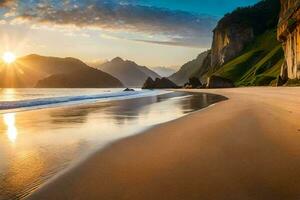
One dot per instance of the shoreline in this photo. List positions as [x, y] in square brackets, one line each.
[64, 101]
[50, 141]
[244, 148]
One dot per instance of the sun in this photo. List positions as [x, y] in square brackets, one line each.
[8, 57]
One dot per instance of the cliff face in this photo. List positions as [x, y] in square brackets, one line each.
[237, 29]
[228, 43]
[289, 34]
[245, 48]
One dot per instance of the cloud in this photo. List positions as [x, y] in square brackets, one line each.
[110, 37]
[4, 3]
[2, 22]
[116, 16]
[187, 42]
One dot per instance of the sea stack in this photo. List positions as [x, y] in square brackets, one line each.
[289, 34]
[162, 83]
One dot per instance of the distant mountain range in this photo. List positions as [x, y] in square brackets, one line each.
[164, 71]
[188, 69]
[35, 70]
[128, 72]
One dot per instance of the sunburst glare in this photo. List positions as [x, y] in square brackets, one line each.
[9, 57]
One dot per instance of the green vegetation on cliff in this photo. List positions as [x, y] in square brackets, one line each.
[247, 61]
[258, 64]
[262, 16]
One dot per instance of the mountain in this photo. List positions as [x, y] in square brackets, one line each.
[253, 56]
[27, 71]
[258, 65]
[95, 63]
[239, 28]
[128, 72]
[82, 78]
[245, 49]
[163, 71]
[188, 69]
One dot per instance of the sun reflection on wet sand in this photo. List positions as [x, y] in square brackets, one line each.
[10, 122]
[36, 145]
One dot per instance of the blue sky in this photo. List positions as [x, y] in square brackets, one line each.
[213, 7]
[152, 33]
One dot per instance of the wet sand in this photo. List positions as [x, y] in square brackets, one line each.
[247, 147]
[35, 145]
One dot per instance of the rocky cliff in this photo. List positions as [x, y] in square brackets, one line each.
[228, 42]
[289, 34]
[245, 49]
[237, 29]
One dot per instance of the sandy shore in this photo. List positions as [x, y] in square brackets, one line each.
[247, 147]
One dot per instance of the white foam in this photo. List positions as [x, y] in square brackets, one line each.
[56, 101]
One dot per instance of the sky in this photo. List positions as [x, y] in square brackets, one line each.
[150, 32]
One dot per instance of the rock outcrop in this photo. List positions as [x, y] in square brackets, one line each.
[228, 42]
[128, 90]
[194, 82]
[289, 34]
[162, 83]
[219, 82]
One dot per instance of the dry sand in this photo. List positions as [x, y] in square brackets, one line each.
[247, 147]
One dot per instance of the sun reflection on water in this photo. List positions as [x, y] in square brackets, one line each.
[10, 122]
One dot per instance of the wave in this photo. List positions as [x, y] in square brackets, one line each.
[45, 102]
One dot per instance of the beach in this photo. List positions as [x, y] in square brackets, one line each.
[38, 143]
[247, 147]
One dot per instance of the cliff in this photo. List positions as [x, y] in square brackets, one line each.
[245, 49]
[235, 30]
[259, 63]
[229, 42]
[288, 33]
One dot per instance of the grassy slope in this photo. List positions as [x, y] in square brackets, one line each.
[258, 64]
